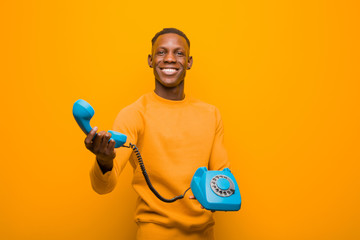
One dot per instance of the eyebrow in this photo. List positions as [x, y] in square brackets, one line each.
[178, 48]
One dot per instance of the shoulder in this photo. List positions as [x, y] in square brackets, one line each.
[207, 111]
[204, 107]
[136, 107]
[132, 114]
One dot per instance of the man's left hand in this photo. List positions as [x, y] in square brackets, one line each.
[194, 198]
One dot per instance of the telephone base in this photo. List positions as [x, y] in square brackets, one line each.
[216, 190]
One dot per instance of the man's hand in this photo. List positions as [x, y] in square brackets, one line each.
[102, 148]
[193, 197]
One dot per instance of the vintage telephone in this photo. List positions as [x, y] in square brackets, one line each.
[215, 190]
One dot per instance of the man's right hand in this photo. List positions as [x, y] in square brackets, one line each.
[102, 148]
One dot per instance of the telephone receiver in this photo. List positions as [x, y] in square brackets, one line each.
[216, 190]
[83, 112]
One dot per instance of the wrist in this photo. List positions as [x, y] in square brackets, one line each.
[105, 166]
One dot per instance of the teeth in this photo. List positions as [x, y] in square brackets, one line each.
[169, 70]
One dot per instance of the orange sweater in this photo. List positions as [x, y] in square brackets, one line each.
[174, 138]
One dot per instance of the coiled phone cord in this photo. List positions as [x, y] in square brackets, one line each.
[147, 179]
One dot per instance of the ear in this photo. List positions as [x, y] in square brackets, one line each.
[150, 60]
[189, 63]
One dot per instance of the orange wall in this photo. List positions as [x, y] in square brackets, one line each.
[284, 74]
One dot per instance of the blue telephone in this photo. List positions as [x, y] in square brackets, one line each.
[215, 190]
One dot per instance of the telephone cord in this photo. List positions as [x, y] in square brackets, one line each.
[147, 179]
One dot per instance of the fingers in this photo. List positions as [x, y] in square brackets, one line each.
[102, 147]
[202, 207]
[90, 137]
[107, 147]
[194, 198]
[105, 142]
[111, 147]
[97, 142]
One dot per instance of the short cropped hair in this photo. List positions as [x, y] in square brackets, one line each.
[170, 30]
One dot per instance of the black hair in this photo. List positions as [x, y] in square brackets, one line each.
[170, 30]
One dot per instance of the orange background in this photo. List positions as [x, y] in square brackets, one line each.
[284, 74]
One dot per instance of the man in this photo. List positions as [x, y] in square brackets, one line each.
[175, 134]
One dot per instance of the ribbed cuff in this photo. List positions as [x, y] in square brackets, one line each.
[98, 174]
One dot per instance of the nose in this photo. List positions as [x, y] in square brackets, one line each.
[169, 57]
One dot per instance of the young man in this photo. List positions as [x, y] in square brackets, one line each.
[176, 135]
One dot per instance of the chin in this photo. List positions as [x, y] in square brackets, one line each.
[169, 83]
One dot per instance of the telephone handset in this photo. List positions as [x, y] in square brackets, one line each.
[83, 112]
[215, 190]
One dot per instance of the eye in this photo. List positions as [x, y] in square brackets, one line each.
[180, 53]
[161, 52]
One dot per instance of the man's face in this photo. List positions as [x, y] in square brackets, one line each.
[170, 59]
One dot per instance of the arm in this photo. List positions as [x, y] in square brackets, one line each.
[218, 158]
[105, 172]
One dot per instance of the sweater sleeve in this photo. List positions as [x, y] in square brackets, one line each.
[128, 122]
[219, 157]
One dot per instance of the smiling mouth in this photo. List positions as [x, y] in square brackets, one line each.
[169, 71]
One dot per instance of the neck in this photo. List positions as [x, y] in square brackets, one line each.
[170, 93]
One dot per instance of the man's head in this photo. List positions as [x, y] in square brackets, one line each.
[170, 57]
